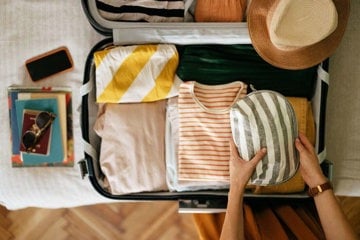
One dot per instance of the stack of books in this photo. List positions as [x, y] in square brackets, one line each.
[55, 145]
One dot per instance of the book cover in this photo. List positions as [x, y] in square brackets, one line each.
[61, 101]
[56, 154]
[16, 92]
[14, 131]
[43, 144]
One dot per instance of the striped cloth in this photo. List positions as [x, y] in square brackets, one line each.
[306, 125]
[142, 10]
[204, 130]
[266, 119]
[138, 73]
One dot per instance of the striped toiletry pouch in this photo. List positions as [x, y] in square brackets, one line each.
[266, 119]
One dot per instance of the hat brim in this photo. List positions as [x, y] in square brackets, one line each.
[292, 58]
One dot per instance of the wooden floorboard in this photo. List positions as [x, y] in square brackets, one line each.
[351, 207]
[140, 221]
[143, 220]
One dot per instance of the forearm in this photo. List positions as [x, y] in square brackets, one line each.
[240, 172]
[233, 228]
[333, 219]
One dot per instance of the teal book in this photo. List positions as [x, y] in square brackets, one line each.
[56, 153]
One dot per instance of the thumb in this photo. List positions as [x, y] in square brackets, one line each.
[259, 156]
[233, 150]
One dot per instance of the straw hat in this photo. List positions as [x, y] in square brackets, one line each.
[297, 34]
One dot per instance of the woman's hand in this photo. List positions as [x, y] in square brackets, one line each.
[240, 169]
[309, 163]
[240, 172]
[332, 217]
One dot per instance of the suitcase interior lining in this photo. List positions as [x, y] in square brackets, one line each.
[90, 110]
[123, 33]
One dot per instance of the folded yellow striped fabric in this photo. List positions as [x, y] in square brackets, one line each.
[138, 73]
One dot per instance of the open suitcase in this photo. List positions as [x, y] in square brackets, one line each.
[182, 34]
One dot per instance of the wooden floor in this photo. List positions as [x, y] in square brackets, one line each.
[144, 220]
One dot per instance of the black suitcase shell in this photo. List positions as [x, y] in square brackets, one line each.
[212, 200]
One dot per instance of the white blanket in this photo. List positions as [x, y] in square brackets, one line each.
[31, 27]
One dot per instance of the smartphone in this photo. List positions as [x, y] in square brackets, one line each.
[48, 64]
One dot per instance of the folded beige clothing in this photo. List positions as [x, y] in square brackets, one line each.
[132, 146]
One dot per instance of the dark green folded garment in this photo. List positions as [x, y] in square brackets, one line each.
[220, 64]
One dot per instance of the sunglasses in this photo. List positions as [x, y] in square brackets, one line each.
[31, 137]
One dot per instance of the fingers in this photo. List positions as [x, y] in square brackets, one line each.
[299, 146]
[303, 144]
[254, 161]
[305, 141]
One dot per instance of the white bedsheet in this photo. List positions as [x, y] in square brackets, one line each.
[28, 28]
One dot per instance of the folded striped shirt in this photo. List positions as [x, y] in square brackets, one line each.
[137, 73]
[142, 10]
[204, 130]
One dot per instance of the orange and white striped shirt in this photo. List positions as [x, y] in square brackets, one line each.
[204, 129]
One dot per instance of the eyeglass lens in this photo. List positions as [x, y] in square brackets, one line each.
[42, 119]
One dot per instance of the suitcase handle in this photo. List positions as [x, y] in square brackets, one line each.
[202, 206]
